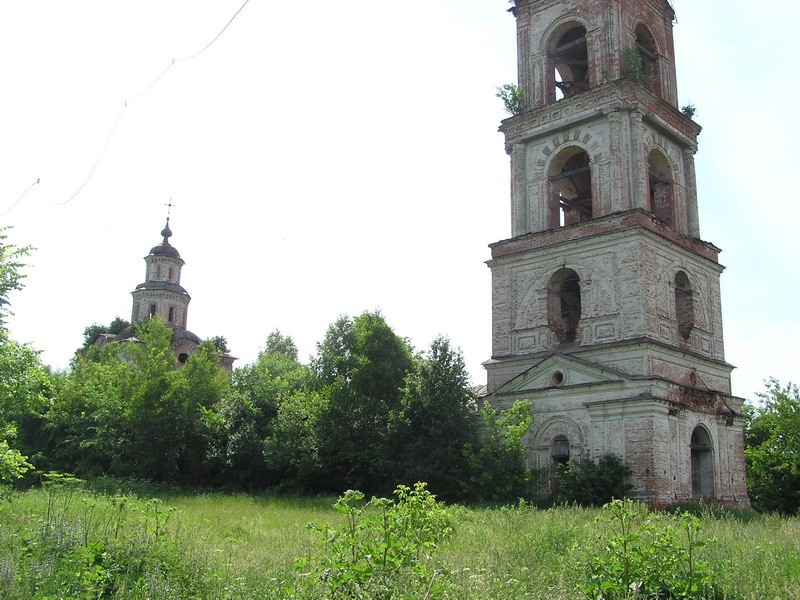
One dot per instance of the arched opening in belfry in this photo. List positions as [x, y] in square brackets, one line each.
[559, 457]
[648, 53]
[702, 464]
[570, 59]
[564, 305]
[570, 187]
[684, 305]
[662, 202]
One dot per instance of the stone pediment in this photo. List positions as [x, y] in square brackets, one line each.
[559, 371]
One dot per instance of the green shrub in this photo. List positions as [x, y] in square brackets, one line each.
[647, 555]
[499, 472]
[591, 483]
[513, 98]
[633, 65]
[384, 551]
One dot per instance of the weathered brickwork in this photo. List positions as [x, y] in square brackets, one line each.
[606, 308]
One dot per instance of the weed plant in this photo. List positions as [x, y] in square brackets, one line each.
[64, 541]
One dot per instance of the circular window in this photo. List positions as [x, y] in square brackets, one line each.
[557, 377]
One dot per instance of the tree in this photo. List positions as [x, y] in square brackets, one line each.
[292, 448]
[95, 330]
[499, 472]
[11, 275]
[436, 421]
[87, 420]
[127, 410]
[277, 343]
[187, 406]
[24, 382]
[772, 449]
[220, 343]
[248, 415]
[360, 368]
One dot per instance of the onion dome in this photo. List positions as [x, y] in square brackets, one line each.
[165, 249]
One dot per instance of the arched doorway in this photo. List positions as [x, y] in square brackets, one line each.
[702, 464]
[559, 457]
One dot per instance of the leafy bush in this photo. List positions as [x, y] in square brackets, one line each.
[647, 555]
[772, 449]
[591, 483]
[633, 65]
[513, 98]
[385, 550]
[499, 472]
[13, 465]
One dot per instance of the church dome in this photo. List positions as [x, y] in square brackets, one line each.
[164, 248]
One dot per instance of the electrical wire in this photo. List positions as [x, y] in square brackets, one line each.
[139, 95]
[21, 196]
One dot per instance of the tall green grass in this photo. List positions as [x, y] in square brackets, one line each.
[67, 542]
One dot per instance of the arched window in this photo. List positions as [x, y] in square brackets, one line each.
[662, 202]
[564, 304]
[571, 187]
[702, 464]
[570, 62]
[684, 305]
[648, 53]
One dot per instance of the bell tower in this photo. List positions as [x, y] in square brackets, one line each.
[605, 301]
[162, 293]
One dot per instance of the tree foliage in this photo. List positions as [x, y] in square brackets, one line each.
[513, 98]
[772, 449]
[498, 464]
[436, 421]
[127, 410]
[11, 275]
[360, 368]
[24, 382]
[593, 483]
[247, 417]
[95, 330]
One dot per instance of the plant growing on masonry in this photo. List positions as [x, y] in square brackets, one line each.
[689, 110]
[633, 66]
[513, 98]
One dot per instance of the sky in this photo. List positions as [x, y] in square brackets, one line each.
[326, 158]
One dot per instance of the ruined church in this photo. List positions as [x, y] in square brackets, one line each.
[606, 309]
[161, 294]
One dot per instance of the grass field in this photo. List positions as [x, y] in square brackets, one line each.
[67, 542]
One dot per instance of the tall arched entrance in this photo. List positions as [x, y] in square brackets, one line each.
[702, 464]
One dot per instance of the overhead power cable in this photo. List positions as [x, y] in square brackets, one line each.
[139, 95]
[21, 196]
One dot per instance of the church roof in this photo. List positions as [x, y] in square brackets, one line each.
[162, 285]
[164, 248]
